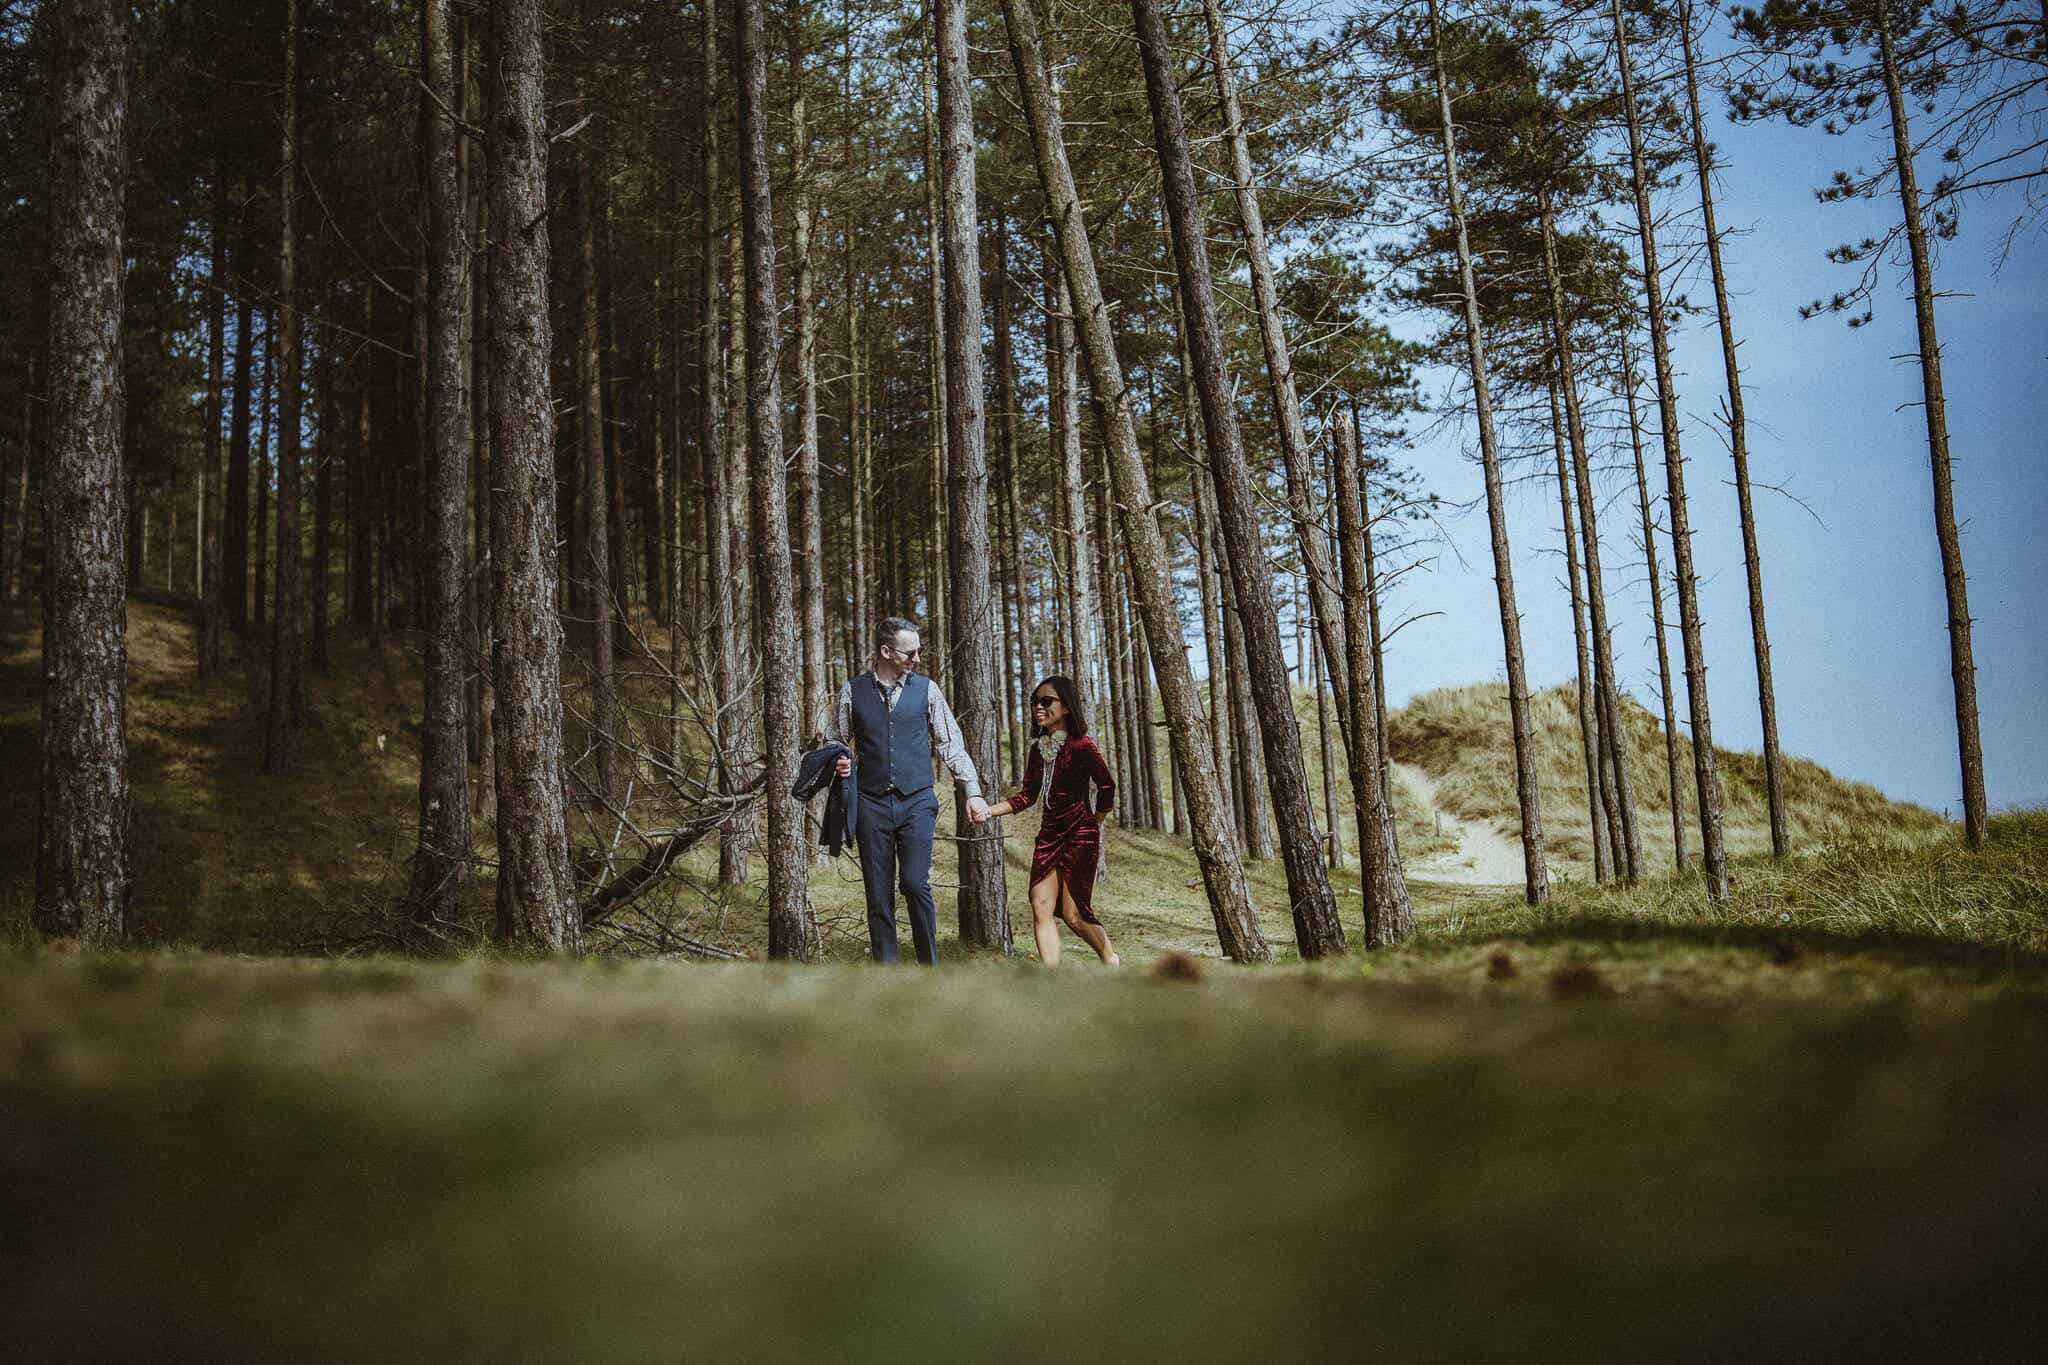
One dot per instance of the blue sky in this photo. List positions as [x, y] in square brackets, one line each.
[1857, 616]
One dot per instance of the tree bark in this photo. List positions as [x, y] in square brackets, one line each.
[1389, 915]
[976, 629]
[1589, 727]
[536, 889]
[210, 590]
[596, 498]
[1294, 450]
[286, 651]
[1738, 445]
[1713, 848]
[1534, 863]
[441, 861]
[1006, 398]
[1671, 763]
[810, 534]
[774, 593]
[1962, 657]
[1237, 926]
[235, 510]
[266, 397]
[1622, 818]
[1083, 616]
[82, 874]
[1317, 928]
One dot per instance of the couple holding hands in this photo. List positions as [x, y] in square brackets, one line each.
[893, 721]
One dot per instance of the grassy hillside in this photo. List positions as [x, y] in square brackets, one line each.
[1462, 736]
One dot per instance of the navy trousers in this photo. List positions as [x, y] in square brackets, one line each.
[895, 836]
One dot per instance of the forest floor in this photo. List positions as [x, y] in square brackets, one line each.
[1806, 1123]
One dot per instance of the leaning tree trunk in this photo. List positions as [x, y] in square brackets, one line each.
[536, 888]
[1671, 763]
[774, 593]
[1317, 929]
[210, 599]
[1535, 869]
[441, 862]
[1389, 915]
[82, 815]
[1294, 452]
[1962, 658]
[1622, 819]
[1713, 848]
[975, 628]
[1738, 446]
[286, 659]
[1237, 926]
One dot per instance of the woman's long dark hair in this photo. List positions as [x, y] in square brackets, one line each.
[1070, 698]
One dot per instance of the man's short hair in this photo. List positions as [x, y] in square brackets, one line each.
[893, 626]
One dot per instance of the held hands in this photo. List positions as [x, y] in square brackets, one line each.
[977, 810]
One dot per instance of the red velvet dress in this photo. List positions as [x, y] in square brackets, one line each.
[1070, 826]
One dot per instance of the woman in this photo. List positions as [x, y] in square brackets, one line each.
[1067, 774]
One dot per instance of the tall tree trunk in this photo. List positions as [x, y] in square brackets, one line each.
[1006, 398]
[234, 530]
[1294, 450]
[323, 506]
[1738, 445]
[536, 888]
[286, 651]
[1372, 602]
[14, 561]
[441, 861]
[976, 630]
[1317, 929]
[1671, 762]
[1082, 613]
[596, 498]
[1389, 915]
[1622, 819]
[210, 590]
[266, 397]
[1534, 864]
[1962, 658]
[718, 464]
[938, 537]
[1207, 578]
[82, 879]
[810, 533]
[1331, 819]
[1253, 828]
[1237, 927]
[1713, 848]
[774, 594]
[1589, 726]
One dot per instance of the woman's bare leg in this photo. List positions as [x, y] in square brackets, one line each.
[1045, 923]
[1091, 934]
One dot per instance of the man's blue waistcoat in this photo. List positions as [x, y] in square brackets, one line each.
[894, 748]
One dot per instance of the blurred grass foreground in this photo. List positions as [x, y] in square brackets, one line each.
[1504, 1149]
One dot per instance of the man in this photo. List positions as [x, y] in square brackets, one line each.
[894, 719]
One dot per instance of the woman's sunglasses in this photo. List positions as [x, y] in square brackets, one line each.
[1044, 703]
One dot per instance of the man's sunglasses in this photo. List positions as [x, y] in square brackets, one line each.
[905, 654]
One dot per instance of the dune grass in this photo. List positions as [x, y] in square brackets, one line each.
[1462, 736]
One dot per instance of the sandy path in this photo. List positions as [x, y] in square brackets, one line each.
[1484, 857]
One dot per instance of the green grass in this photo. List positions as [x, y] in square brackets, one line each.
[1806, 1123]
[208, 1158]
